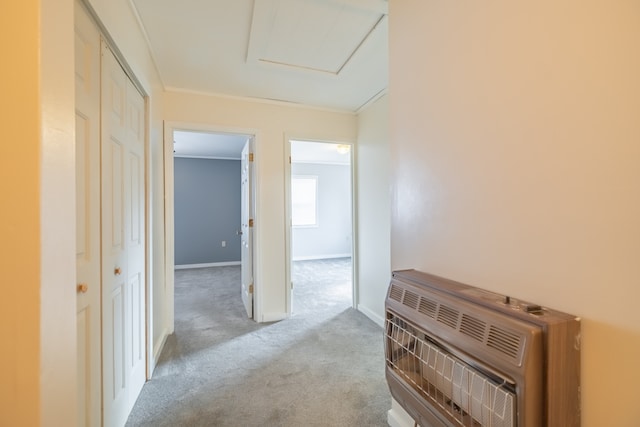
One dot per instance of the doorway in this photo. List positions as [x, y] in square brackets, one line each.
[204, 206]
[320, 231]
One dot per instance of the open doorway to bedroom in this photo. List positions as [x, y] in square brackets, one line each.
[320, 232]
[210, 209]
[207, 198]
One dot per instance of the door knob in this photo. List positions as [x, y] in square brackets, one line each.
[117, 271]
[82, 288]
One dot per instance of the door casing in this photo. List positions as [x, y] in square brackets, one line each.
[85, 12]
[247, 226]
[288, 228]
[169, 224]
[88, 259]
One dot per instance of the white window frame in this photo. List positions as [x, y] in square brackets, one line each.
[307, 224]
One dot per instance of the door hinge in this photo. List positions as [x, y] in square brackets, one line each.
[291, 285]
[251, 288]
[251, 157]
[289, 159]
[251, 222]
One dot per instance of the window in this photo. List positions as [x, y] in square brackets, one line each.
[304, 201]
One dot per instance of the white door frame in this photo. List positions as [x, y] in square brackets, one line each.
[288, 224]
[104, 34]
[169, 225]
[246, 227]
[134, 85]
[88, 227]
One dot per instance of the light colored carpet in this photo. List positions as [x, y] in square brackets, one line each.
[324, 366]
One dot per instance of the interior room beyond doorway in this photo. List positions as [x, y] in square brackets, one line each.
[321, 222]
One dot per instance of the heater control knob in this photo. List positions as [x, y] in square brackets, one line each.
[532, 308]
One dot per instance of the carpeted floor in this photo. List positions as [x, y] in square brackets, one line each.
[324, 366]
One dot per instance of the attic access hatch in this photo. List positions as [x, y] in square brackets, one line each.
[320, 36]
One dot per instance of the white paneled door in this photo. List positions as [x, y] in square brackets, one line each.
[123, 249]
[87, 98]
[246, 251]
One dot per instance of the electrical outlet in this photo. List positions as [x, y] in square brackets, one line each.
[224, 244]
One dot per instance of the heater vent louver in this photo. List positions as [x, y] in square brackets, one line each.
[448, 316]
[472, 327]
[395, 293]
[504, 341]
[410, 299]
[428, 307]
[492, 336]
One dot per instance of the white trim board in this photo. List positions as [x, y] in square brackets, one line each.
[157, 350]
[273, 317]
[398, 417]
[317, 162]
[371, 315]
[184, 156]
[210, 264]
[315, 257]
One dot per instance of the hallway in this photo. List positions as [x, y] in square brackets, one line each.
[324, 366]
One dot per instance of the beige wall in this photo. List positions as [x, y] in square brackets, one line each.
[515, 145]
[37, 311]
[373, 209]
[20, 216]
[37, 223]
[271, 123]
[57, 215]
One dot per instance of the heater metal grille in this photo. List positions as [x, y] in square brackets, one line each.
[470, 397]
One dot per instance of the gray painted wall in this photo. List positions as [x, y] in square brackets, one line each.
[207, 210]
[332, 237]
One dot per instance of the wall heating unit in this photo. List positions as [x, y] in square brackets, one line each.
[458, 355]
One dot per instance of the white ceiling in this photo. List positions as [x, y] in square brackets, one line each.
[208, 145]
[320, 152]
[325, 53]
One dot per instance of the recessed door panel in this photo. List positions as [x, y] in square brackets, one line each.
[118, 355]
[117, 203]
[137, 320]
[136, 116]
[135, 209]
[83, 329]
[83, 183]
[116, 97]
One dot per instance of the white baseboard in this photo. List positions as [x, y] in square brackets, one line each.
[272, 317]
[371, 315]
[210, 264]
[398, 417]
[157, 350]
[314, 257]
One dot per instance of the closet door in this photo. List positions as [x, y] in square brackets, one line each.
[87, 99]
[123, 250]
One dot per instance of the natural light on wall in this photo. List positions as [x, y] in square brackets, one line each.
[304, 205]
